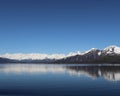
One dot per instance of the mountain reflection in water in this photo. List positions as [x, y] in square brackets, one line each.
[108, 72]
[111, 73]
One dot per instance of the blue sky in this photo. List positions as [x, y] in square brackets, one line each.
[58, 26]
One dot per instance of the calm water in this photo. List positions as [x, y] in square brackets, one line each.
[59, 80]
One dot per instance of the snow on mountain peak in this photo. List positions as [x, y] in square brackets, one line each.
[112, 49]
[32, 56]
[112, 46]
[37, 56]
[74, 53]
[92, 49]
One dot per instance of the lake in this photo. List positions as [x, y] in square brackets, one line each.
[59, 80]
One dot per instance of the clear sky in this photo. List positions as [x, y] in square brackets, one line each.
[58, 26]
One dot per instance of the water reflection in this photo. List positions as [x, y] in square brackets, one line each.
[108, 72]
[31, 68]
[111, 73]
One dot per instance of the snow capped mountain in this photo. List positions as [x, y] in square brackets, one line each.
[89, 55]
[37, 56]
[112, 50]
[74, 53]
[82, 53]
[32, 56]
[92, 50]
[108, 55]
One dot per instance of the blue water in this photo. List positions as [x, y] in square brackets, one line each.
[59, 80]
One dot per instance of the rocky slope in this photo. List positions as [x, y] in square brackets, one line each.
[110, 54]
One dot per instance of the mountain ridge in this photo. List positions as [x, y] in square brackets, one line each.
[110, 54]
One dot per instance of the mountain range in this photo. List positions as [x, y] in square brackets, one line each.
[110, 54]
